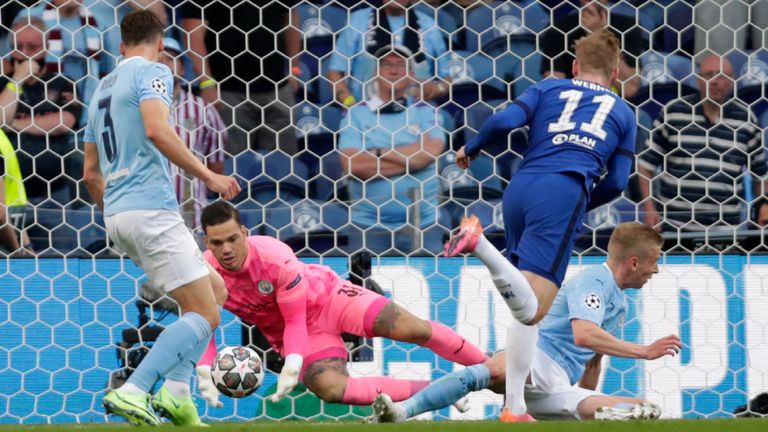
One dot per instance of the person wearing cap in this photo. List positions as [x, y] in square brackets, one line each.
[389, 144]
[396, 22]
[200, 126]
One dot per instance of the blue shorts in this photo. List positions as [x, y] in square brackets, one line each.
[543, 214]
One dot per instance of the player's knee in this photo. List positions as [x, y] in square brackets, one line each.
[328, 387]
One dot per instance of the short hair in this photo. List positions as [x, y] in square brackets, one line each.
[632, 239]
[140, 27]
[217, 213]
[599, 52]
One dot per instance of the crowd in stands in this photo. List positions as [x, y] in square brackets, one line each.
[341, 116]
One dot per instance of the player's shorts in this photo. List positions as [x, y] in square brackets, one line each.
[542, 218]
[350, 309]
[551, 395]
[159, 243]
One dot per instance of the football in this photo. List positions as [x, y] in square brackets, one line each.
[237, 371]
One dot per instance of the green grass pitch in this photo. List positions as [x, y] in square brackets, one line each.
[719, 425]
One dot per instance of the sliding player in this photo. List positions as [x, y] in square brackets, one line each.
[303, 309]
[578, 129]
[584, 324]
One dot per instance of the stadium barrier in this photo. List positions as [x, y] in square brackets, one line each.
[60, 321]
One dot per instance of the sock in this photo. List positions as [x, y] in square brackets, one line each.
[130, 388]
[448, 389]
[363, 391]
[509, 281]
[180, 389]
[174, 345]
[182, 373]
[449, 345]
[521, 344]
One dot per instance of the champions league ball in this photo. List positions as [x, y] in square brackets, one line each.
[237, 371]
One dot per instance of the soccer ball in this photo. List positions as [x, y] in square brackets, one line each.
[237, 371]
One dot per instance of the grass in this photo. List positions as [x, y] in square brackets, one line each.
[718, 425]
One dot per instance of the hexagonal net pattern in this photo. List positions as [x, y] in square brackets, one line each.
[341, 120]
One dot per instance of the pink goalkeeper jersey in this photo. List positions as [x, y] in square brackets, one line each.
[276, 292]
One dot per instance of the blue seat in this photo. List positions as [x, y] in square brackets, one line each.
[667, 77]
[271, 176]
[751, 79]
[486, 22]
[473, 79]
[490, 214]
[309, 226]
[463, 187]
[251, 215]
[678, 33]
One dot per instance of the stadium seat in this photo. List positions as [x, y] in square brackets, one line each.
[474, 79]
[667, 77]
[308, 226]
[486, 22]
[490, 214]
[678, 33]
[271, 176]
[751, 78]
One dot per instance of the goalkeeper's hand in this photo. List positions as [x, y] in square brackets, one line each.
[209, 391]
[289, 377]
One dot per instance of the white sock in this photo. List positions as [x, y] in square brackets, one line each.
[509, 281]
[521, 345]
[131, 388]
[177, 388]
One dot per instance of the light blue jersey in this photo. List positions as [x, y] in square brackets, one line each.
[592, 296]
[136, 172]
[386, 200]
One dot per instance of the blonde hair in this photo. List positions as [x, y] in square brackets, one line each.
[633, 239]
[598, 52]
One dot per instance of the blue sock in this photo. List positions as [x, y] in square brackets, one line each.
[448, 389]
[175, 345]
[183, 372]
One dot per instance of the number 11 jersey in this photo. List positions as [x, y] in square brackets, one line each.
[575, 126]
[136, 172]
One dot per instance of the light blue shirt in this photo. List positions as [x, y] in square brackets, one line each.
[136, 172]
[592, 296]
[351, 57]
[366, 129]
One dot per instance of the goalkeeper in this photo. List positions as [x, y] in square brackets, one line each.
[302, 310]
[582, 326]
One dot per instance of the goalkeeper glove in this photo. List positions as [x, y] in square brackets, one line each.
[207, 389]
[289, 377]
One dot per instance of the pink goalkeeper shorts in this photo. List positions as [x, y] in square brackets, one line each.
[350, 309]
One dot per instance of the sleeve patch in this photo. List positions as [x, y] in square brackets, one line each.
[295, 282]
[159, 87]
[593, 301]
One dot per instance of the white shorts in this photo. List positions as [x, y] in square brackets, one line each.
[159, 243]
[551, 395]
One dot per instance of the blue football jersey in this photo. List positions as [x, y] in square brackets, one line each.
[136, 173]
[592, 295]
[574, 126]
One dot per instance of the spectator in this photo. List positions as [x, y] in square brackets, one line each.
[40, 114]
[760, 212]
[13, 197]
[557, 42]
[396, 23]
[202, 130]
[74, 42]
[722, 25]
[243, 51]
[700, 146]
[389, 146]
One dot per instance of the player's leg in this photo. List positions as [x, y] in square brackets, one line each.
[325, 374]
[356, 310]
[167, 252]
[442, 392]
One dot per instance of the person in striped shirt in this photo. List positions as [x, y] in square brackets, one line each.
[700, 149]
[200, 126]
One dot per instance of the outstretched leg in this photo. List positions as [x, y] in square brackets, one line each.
[330, 381]
[394, 322]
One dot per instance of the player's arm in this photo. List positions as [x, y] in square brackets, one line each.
[619, 167]
[591, 374]
[587, 334]
[154, 113]
[291, 296]
[92, 176]
[500, 124]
